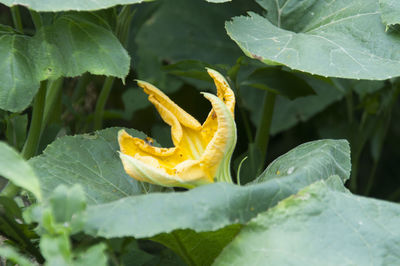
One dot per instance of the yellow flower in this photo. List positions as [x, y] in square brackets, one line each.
[201, 153]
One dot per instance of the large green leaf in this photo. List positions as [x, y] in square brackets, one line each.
[390, 11]
[73, 45]
[319, 226]
[18, 171]
[17, 73]
[12, 255]
[60, 5]
[69, 47]
[211, 207]
[91, 161]
[339, 39]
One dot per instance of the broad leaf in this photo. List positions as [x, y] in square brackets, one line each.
[320, 226]
[211, 207]
[341, 39]
[91, 161]
[60, 5]
[19, 82]
[390, 11]
[14, 168]
[71, 46]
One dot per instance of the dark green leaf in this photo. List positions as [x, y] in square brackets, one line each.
[280, 82]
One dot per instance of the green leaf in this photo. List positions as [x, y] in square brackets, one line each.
[342, 39]
[71, 46]
[67, 205]
[198, 248]
[13, 255]
[95, 255]
[390, 12]
[91, 161]
[280, 82]
[319, 226]
[60, 5]
[211, 207]
[19, 82]
[16, 130]
[195, 39]
[14, 168]
[288, 113]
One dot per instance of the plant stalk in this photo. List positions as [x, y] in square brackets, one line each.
[37, 19]
[16, 17]
[101, 102]
[35, 128]
[263, 130]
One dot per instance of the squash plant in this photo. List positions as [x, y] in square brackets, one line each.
[300, 141]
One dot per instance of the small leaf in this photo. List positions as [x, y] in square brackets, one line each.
[13, 255]
[14, 168]
[321, 225]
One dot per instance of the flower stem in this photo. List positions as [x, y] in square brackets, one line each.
[263, 130]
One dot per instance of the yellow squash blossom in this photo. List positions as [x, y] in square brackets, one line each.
[201, 153]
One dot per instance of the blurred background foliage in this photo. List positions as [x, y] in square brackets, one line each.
[171, 42]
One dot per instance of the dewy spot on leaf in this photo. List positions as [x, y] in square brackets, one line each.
[201, 153]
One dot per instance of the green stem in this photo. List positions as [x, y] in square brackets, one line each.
[32, 141]
[16, 17]
[81, 87]
[101, 102]
[53, 93]
[263, 130]
[37, 19]
[350, 109]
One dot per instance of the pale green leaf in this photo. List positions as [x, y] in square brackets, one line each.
[319, 226]
[13, 255]
[338, 39]
[211, 207]
[91, 161]
[390, 11]
[14, 168]
[60, 5]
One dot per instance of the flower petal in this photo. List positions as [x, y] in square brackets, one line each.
[183, 117]
[224, 91]
[223, 141]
